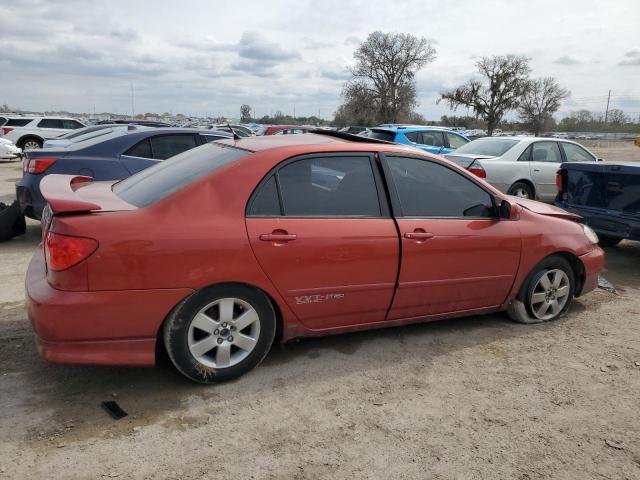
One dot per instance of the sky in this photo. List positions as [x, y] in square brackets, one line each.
[209, 57]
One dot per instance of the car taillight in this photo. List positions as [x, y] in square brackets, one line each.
[63, 251]
[6, 130]
[477, 170]
[559, 182]
[37, 165]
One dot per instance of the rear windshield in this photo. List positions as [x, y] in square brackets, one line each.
[382, 135]
[165, 178]
[494, 147]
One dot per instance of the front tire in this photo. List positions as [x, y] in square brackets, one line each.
[219, 333]
[522, 190]
[546, 294]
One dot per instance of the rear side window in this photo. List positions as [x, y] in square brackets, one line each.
[427, 189]
[413, 137]
[165, 178]
[18, 122]
[50, 123]
[141, 149]
[211, 138]
[546, 152]
[265, 203]
[71, 124]
[165, 146]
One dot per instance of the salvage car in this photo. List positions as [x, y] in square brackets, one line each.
[218, 252]
[522, 166]
[605, 195]
[109, 153]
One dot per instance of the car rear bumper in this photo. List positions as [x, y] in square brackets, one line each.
[96, 327]
[29, 197]
[593, 265]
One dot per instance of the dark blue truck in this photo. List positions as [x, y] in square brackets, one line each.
[606, 195]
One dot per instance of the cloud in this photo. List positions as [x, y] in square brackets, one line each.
[567, 60]
[632, 57]
[352, 40]
[342, 74]
[254, 46]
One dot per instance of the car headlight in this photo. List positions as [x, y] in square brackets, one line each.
[590, 234]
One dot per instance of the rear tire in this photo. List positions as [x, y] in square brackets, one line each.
[30, 143]
[219, 333]
[606, 241]
[522, 190]
[546, 294]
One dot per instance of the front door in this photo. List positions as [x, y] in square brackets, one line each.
[544, 163]
[457, 255]
[321, 231]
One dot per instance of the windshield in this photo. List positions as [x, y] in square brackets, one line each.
[493, 147]
[165, 178]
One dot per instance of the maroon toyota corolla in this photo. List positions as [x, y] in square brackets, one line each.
[221, 250]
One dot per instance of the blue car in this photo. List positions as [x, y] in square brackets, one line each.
[105, 154]
[430, 139]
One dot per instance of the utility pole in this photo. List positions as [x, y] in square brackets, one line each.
[133, 112]
[606, 113]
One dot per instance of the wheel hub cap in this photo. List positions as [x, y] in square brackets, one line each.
[550, 294]
[223, 333]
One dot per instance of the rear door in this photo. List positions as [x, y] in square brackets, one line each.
[320, 228]
[544, 163]
[453, 141]
[431, 141]
[457, 255]
[150, 150]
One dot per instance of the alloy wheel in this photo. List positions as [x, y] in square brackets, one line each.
[31, 145]
[550, 294]
[224, 333]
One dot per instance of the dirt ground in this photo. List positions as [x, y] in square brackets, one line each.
[479, 397]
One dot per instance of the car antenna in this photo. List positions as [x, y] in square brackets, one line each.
[235, 135]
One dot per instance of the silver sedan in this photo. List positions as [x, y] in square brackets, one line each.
[521, 166]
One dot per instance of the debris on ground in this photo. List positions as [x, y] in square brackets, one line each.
[605, 284]
[615, 444]
[113, 409]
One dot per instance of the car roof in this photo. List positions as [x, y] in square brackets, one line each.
[305, 143]
[411, 128]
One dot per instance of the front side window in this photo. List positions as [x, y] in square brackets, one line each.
[455, 141]
[165, 146]
[50, 123]
[576, 153]
[434, 139]
[546, 152]
[71, 124]
[326, 187]
[427, 189]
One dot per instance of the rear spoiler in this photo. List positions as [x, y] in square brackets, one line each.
[75, 194]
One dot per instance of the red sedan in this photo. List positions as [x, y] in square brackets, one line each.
[222, 250]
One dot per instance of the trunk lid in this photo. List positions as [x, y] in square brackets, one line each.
[465, 160]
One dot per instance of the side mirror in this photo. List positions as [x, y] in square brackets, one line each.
[507, 211]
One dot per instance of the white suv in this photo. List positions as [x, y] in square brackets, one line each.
[31, 132]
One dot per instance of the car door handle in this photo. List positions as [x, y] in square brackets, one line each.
[536, 169]
[418, 235]
[277, 237]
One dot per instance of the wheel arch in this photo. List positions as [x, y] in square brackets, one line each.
[572, 259]
[27, 136]
[160, 346]
[527, 182]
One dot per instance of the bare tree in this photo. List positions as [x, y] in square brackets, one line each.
[245, 113]
[383, 81]
[617, 117]
[540, 101]
[503, 84]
